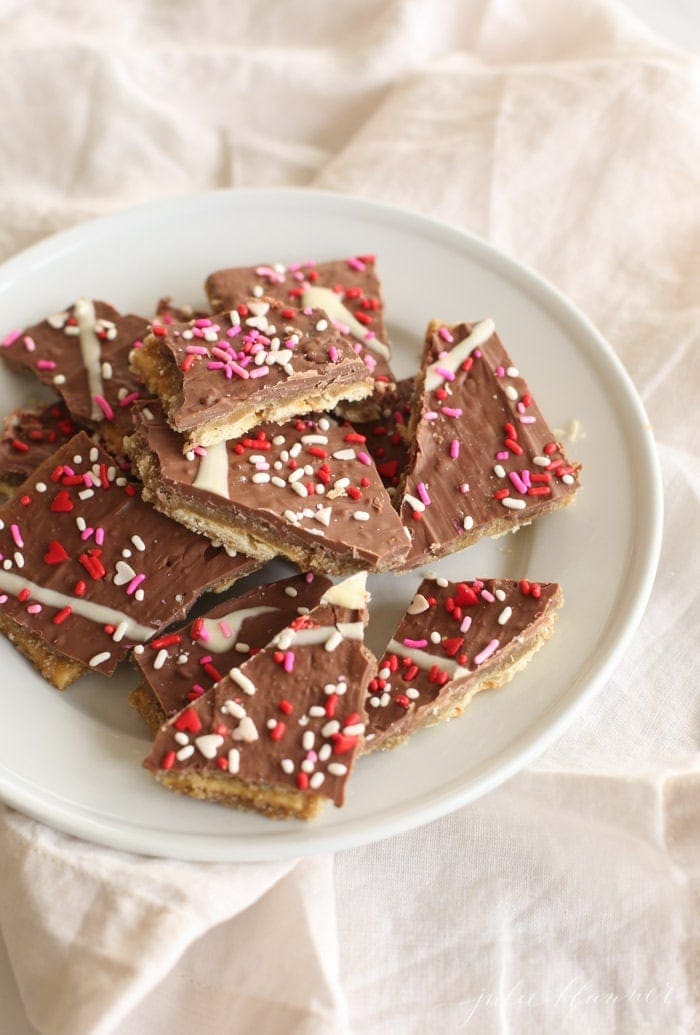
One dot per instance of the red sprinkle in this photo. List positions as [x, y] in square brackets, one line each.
[187, 722]
[165, 641]
[168, 760]
[302, 781]
[278, 731]
[23, 595]
[285, 706]
[62, 503]
[61, 616]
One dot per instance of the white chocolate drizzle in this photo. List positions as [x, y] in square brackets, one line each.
[90, 348]
[426, 661]
[97, 613]
[329, 301]
[480, 334]
[219, 641]
[212, 473]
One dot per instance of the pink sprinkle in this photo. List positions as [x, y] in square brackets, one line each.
[370, 362]
[487, 596]
[225, 630]
[311, 756]
[135, 583]
[203, 322]
[196, 350]
[446, 335]
[477, 353]
[466, 623]
[417, 644]
[488, 650]
[518, 482]
[370, 335]
[217, 365]
[198, 690]
[200, 450]
[500, 372]
[232, 332]
[45, 364]
[288, 661]
[128, 399]
[137, 344]
[451, 411]
[423, 494]
[203, 635]
[87, 480]
[100, 536]
[220, 353]
[29, 343]
[86, 533]
[356, 264]
[34, 609]
[309, 577]
[333, 354]
[104, 406]
[503, 455]
[526, 478]
[365, 459]
[454, 449]
[342, 327]
[4, 598]
[445, 374]
[17, 536]
[431, 415]
[206, 659]
[261, 371]
[526, 420]
[241, 371]
[11, 337]
[464, 488]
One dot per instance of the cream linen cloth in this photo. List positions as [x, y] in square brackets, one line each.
[564, 133]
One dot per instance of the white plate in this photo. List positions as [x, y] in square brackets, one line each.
[73, 759]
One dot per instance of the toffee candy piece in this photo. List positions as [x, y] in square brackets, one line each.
[83, 354]
[279, 734]
[348, 290]
[455, 640]
[218, 377]
[88, 569]
[483, 460]
[385, 435]
[305, 490]
[182, 665]
[28, 438]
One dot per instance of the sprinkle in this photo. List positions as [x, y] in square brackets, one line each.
[11, 337]
[234, 760]
[361, 515]
[513, 504]
[135, 583]
[488, 650]
[17, 536]
[445, 373]
[161, 658]
[468, 523]
[505, 615]
[337, 769]
[452, 411]
[45, 364]
[247, 685]
[454, 449]
[99, 659]
[104, 406]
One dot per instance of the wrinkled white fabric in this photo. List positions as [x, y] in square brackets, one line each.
[569, 136]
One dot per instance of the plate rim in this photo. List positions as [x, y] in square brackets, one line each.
[197, 847]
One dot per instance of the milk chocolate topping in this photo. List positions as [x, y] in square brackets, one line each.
[267, 351]
[353, 281]
[481, 451]
[385, 436]
[83, 354]
[182, 665]
[308, 481]
[291, 716]
[449, 635]
[29, 437]
[90, 569]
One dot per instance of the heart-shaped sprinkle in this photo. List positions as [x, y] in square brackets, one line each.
[246, 730]
[125, 573]
[188, 721]
[418, 605]
[62, 503]
[465, 596]
[55, 553]
[342, 745]
[209, 744]
[451, 647]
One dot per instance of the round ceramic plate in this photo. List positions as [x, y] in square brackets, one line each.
[74, 759]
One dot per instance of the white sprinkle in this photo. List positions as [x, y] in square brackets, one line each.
[468, 523]
[513, 372]
[139, 648]
[296, 475]
[435, 637]
[59, 379]
[261, 478]
[316, 711]
[40, 486]
[322, 325]
[257, 292]
[86, 494]
[295, 450]
[500, 594]
[242, 648]
[418, 605]
[120, 632]
[308, 740]
[287, 766]
[106, 371]
[541, 461]
[325, 752]
[344, 454]
[568, 479]
[511, 392]
[499, 471]
[276, 480]
[245, 730]
[505, 615]
[291, 591]
[330, 728]
[316, 780]
[271, 723]
[234, 760]
[441, 582]
[209, 744]
[307, 766]
[139, 595]
[19, 559]
[300, 490]
[246, 685]
[337, 769]
[291, 516]
[233, 708]
[185, 753]
[99, 659]
[414, 503]
[161, 658]
[355, 730]
[360, 515]
[513, 504]
[412, 693]
[181, 739]
[138, 542]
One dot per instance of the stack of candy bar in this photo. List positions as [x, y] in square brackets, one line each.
[184, 451]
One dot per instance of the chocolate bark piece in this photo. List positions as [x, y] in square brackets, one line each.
[483, 460]
[167, 312]
[386, 434]
[88, 569]
[180, 666]
[28, 438]
[306, 490]
[83, 354]
[279, 734]
[218, 377]
[348, 290]
[455, 640]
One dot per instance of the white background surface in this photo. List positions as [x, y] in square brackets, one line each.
[565, 901]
